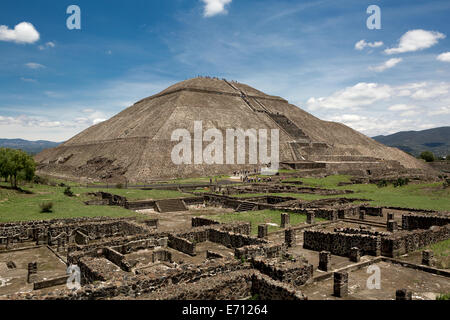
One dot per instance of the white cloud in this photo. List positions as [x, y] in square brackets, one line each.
[401, 107]
[49, 44]
[34, 65]
[445, 57]
[415, 40]
[360, 45]
[386, 65]
[214, 7]
[440, 111]
[362, 94]
[28, 80]
[24, 32]
[432, 91]
[409, 113]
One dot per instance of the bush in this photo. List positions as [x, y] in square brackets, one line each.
[68, 192]
[40, 180]
[382, 183]
[428, 156]
[401, 182]
[443, 297]
[46, 207]
[119, 186]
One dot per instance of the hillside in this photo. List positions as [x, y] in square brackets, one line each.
[436, 140]
[32, 147]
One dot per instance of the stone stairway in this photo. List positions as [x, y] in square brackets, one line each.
[245, 206]
[290, 127]
[170, 205]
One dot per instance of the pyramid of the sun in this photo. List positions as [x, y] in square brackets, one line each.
[135, 145]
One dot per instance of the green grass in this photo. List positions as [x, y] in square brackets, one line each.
[327, 182]
[261, 216]
[441, 251]
[428, 196]
[16, 206]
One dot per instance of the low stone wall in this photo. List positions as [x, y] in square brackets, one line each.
[135, 285]
[199, 222]
[24, 229]
[233, 240]
[341, 243]
[50, 282]
[296, 273]
[236, 285]
[403, 242]
[269, 289]
[424, 221]
[373, 211]
[270, 250]
[182, 245]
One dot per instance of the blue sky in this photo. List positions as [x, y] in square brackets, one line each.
[59, 82]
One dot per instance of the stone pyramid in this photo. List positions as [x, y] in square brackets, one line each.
[135, 145]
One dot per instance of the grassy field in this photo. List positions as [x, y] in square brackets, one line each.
[17, 206]
[429, 196]
[261, 216]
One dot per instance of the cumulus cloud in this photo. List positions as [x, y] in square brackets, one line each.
[360, 45]
[386, 65]
[214, 7]
[432, 91]
[27, 121]
[445, 57]
[34, 65]
[361, 94]
[415, 40]
[24, 32]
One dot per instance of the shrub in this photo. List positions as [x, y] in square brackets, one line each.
[401, 182]
[46, 207]
[382, 183]
[119, 186]
[428, 156]
[68, 192]
[443, 297]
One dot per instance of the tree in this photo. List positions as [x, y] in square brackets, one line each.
[16, 165]
[448, 157]
[428, 156]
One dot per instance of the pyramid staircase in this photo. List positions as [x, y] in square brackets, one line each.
[170, 205]
[245, 206]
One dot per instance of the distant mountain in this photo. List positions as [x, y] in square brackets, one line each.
[436, 140]
[32, 147]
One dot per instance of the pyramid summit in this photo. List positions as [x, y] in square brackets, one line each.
[136, 144]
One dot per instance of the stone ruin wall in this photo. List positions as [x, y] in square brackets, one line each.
[423, 221]
[408, 241]
[339, 243]
[236, 285]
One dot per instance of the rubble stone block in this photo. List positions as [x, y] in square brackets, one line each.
[325, 261]
[403, 294]
[340, 285]
[355, 254]
[392, 226]
[289, 237]
[428, 258]
[262, 231]
[310, 217]
[285, 220]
